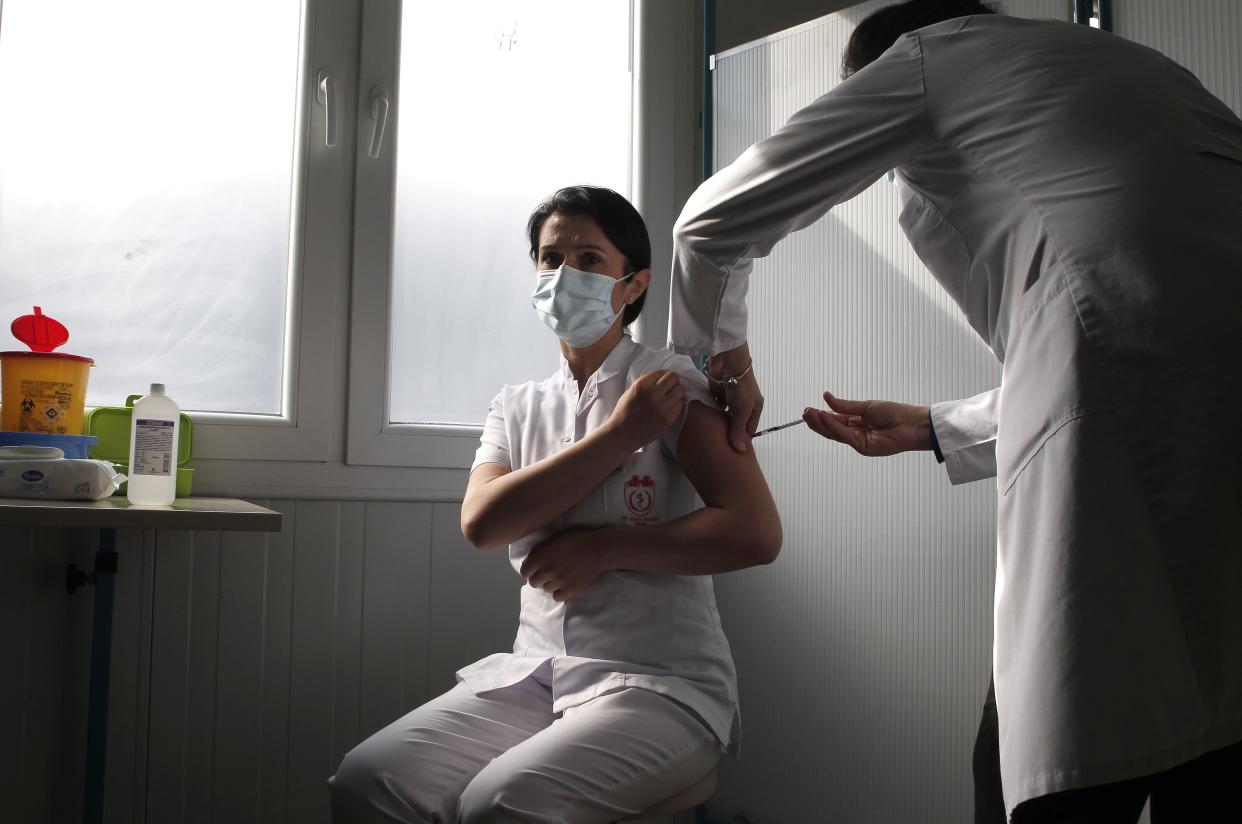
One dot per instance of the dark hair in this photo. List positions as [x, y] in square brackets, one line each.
[880, 30]
[618, 219]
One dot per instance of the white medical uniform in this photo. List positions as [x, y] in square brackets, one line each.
[1080, 198]
[609, 702]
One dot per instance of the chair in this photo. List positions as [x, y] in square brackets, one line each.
[688, 798]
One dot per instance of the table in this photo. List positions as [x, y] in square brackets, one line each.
[109, 515]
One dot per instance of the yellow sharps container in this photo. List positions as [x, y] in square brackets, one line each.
[42, 391]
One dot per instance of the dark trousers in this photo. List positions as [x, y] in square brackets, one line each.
[989, 801]
[1202, 790]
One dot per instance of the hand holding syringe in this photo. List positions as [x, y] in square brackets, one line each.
[872, 428]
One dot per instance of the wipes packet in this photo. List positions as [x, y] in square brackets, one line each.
[65, 479]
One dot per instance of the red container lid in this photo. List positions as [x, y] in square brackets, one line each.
[42, 334]
[39, 332]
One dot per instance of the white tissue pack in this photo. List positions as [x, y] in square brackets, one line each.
[80, 479]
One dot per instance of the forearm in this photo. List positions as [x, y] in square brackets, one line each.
[518, 503]
[703, 542]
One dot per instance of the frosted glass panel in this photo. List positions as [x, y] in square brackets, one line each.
[502, 103]
[145, 172]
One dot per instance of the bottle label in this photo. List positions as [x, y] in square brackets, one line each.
[153, 447]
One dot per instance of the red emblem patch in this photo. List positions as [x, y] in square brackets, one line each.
[640, 495]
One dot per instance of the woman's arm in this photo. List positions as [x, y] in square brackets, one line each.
[502, 505]
[738, 526]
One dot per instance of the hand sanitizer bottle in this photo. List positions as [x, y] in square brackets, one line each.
[154, 429]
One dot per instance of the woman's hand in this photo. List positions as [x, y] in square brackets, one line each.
[651, 405]
[872, 428]
[565, 564]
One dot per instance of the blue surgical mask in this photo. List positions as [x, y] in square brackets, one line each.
[576, 305]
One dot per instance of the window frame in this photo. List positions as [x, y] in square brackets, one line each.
[663, 121]
[314, 368]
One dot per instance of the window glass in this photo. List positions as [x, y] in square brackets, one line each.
[146, 169]
[502, 103]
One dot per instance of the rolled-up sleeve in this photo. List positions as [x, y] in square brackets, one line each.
[828, 152]
[494, 442]
[966, 433]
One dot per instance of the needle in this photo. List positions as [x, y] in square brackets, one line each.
[774, 428]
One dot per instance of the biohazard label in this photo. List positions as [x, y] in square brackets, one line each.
[45, 406]
[153, 447]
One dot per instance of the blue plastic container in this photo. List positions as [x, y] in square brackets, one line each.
[74, 446]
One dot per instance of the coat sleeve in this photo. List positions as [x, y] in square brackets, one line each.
[966, 433]
[827, 153]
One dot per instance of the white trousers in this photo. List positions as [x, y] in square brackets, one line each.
[504, 756]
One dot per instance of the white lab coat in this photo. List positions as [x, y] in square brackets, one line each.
[1080, 198]
[629, 629]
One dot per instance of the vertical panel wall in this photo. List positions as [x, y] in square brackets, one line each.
[244, 665]
[45, 640]
[864, 652]
[272, 655]
[1205, 36]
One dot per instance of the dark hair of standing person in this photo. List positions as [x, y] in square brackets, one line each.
[880, 30]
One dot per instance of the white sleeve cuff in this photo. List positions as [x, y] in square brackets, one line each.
[966, 433]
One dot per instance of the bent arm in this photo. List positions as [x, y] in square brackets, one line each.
[738, 526]
[966, 433]
[502, 505]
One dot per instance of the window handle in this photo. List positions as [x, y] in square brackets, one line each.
[326, 95]
[379, 116]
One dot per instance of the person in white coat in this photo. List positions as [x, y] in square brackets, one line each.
[620, 690]
[1080, 198]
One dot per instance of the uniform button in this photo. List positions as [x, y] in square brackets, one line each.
[591, 392]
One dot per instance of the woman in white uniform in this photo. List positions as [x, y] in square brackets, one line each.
[1080, 198]
[620, 690]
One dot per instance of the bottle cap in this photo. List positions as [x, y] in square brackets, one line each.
[157, 389]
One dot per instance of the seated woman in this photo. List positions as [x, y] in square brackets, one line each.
[620, 690]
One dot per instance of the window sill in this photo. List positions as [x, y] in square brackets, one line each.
[326, 480]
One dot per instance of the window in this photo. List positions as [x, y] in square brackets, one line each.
[507, 101]
[316, 244]
[539, 97]
[146, 196]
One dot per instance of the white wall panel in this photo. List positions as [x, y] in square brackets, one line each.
[1205, 36]
[239, 707]
[246, 665]
[474, 601]
[396, 612]
[45, 638]
[130, 688]
[182, 706]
